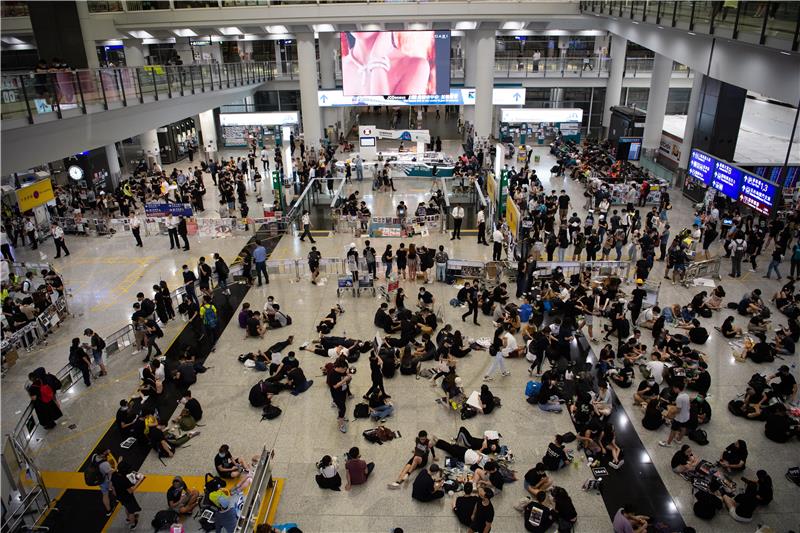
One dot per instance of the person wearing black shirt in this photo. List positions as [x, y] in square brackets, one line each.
[779, 427]
[701, 382]
[734, 457]
[226, 465]
[707, 503]
[181, 498]
[637, 297]
[537, 480]
[254, 326]
[555, 457]
[683, 460]
[786, 387]
[538, 515]
[483, 514]
[472, 302]
[126, 418]
[425, 488]
[192, 405]
[697, 333]
[463, 506]
[376, 375]
[384, 321]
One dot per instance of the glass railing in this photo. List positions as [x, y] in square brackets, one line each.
[775, 24]
[642, 67]
[552, 67]
[42, 96]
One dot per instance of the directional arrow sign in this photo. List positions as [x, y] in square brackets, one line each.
[323, 98]
[516, 97]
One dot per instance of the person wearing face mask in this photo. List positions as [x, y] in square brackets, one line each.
[226, 465]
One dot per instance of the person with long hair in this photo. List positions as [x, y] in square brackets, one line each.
[413, 262]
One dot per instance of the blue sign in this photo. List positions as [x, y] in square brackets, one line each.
[757, 193]
[701, 166]
[166, 209]
[753, 191]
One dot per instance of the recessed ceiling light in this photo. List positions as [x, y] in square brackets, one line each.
[323, 28]
[140, 34]
[278, 28]
[371, 27]
[512, 25]
[184, 32]
[230, 30]
[466, 25]
[417, 26]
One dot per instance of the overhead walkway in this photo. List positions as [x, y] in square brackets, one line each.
[57, 114]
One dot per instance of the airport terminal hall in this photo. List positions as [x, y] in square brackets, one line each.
[400, 266]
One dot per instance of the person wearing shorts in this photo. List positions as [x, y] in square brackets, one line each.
[423, 447]
[680, 423]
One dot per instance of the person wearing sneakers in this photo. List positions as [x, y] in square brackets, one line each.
[423, 447]
[680, 422]
[97, 345]
[338, 382]
[496, 350]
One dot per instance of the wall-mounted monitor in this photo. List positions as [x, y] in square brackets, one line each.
[383, 63]
[629, 148]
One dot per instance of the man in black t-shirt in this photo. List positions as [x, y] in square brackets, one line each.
[555, 457]
[483, 514]
[425, 488]
[463, 506]
[538, 515]
[254, 326]
[192, 405]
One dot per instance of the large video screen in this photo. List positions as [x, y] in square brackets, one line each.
[395, 63]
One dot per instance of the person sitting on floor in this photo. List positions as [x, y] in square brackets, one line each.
[734, 457]
[244, 315]
[255, 328]
[555, 457]
[181, 498]
[684, 460]
[729, 330]
[226, 465]
[536, 479]
[427, 486]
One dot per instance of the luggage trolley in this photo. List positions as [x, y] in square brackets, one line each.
[366, 283]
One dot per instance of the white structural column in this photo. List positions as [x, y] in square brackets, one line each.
[88, 42]
[657, 102]
[469, 51]
[691, 119]
[484, 82]
[209, 132]
[183, 46]
[134, 52]
[149, 143]
[328, 44]
[309, 104]
[113, 164]
[619, 48]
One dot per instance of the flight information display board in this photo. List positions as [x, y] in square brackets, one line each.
[757, 193]
[751, 190]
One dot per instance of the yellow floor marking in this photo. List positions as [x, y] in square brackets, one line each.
[273, 509]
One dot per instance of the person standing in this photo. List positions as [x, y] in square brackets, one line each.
[738, 247]
[172, 230]
[189, 279]
[376, 375]
[260, 260]
[441, 259]
[97, 344]
[58, 239]
[306, 222]
[472, 302]
[482, 227]
[30, 231]
[359, 168]
[680, 423]
[497, 238]
[136, 226]
[208, 313]
[313, 264]
[79, 359]
[183, 231]
[371, 260]
[124, 489]
[265, 159]
[458, 218]
[222, 273]
[5, 247]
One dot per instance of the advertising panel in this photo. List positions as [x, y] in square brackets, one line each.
[461, 96]
[35, 194]
[538, 115]
[380, 63]
[258, 119]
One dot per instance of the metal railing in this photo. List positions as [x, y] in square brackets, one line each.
[261, 488]
[553, 67]
[42, 96]
[25, 496]
[640, 67]
[774, 24]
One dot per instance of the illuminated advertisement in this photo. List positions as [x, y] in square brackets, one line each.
[380, 63]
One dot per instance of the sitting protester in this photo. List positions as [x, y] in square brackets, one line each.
[555, 457]
[328, 477]
[181, 498]
[734, 458]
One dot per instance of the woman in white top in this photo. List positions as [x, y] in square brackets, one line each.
[328, 477]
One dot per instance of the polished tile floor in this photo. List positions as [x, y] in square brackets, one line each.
[307, 428]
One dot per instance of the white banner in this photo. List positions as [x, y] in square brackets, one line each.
[460, 96]
[542, 114]
[258, 119]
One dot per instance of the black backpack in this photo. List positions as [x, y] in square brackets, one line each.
[698, 436]
[361, 410]
[212, 483]
[164, 519]
[270, 411]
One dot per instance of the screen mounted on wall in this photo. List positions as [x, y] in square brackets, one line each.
[394, 63]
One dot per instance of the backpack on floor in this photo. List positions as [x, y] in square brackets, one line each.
[270, 412]
[568, 437]
[361, 410]
[164, 519]
[380, 434]
[212, 483]
[698, 436]
[468, 412]
[532, 389]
